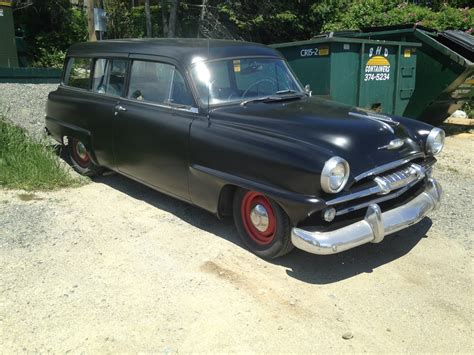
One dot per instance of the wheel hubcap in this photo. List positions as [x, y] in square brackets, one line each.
[81, 151]
[259, 217]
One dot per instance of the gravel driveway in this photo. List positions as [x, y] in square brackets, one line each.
[114, 266]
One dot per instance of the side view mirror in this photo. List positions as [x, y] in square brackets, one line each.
[307, 89]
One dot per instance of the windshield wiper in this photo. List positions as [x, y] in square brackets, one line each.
[262, 99]
[286, 91]
[290, 91]
[272, 98]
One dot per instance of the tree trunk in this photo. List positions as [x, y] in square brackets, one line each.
[164, 17]
[173, 18]
[148, 18]
[90, 20]
[201, 18]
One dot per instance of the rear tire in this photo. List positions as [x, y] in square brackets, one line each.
[80, 159]
[262, 224]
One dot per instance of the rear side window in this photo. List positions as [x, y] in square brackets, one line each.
[158, 83]
[78, 73]
[109, 76]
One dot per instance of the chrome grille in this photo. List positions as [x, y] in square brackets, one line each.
[384, 184]
[399, 179]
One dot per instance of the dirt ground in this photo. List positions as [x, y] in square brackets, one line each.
[114, 266]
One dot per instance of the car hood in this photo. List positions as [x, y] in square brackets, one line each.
[325, 128]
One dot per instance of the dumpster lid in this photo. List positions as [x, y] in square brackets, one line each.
[396, 28]
[458, 41]
[389, 29]
[330, 38]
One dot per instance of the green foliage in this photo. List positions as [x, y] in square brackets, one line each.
[49, 29]
[127, 22]
[468, 107]
[266, 21]
[29, 165]
[49, 57]
[120, 23]
[366, 13]
[139, 22]
[51, 26]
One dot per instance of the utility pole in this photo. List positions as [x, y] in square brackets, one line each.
[164, 17]
[148, 18]
[173, 17]
[90, 20]
[201, 18]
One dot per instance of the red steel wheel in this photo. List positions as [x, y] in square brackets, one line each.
[79, 153]
[258, 218]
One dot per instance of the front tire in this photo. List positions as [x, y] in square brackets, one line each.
[262, 224]
[80, 158]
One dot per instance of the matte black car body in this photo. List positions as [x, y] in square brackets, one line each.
[201, 155]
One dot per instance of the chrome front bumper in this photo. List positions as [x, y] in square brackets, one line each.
[373, 228]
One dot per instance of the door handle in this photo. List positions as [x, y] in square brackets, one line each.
[119, 108]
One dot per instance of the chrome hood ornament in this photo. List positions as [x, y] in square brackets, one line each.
[394, 144]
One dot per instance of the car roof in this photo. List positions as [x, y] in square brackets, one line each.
[183, 50]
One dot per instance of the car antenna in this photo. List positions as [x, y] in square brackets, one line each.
[208, 84]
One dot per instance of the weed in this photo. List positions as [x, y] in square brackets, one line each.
[28, 164]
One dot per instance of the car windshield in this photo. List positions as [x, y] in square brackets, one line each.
[239, 79]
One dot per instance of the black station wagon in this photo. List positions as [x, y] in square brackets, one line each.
[226, 126]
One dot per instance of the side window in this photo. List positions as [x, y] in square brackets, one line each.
[180, 94]
[78, 73]
[158, 83]
[109, 76]
[150, 81]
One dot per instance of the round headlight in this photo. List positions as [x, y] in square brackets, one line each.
[334, 175]
[435, 141]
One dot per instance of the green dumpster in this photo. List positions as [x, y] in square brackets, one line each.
[8, 56]
[375, 75]
[445, 69]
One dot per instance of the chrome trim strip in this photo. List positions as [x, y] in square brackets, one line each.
[378, 200]
[359, 194]
[388, 166]
[373, 228]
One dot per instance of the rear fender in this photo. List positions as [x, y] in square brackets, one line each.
[60, 129]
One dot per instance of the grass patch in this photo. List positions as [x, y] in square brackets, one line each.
[30, 165]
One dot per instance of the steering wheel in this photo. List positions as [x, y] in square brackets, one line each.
[244, 95]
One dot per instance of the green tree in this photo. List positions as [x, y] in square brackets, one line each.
[49, 28]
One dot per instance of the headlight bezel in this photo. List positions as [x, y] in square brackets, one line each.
[431, 141]
[329, 166]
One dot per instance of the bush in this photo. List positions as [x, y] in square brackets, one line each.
[49, 29]
[29, 165]
[367, 13]
[49, 58]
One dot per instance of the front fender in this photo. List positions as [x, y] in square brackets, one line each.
[206, 185]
